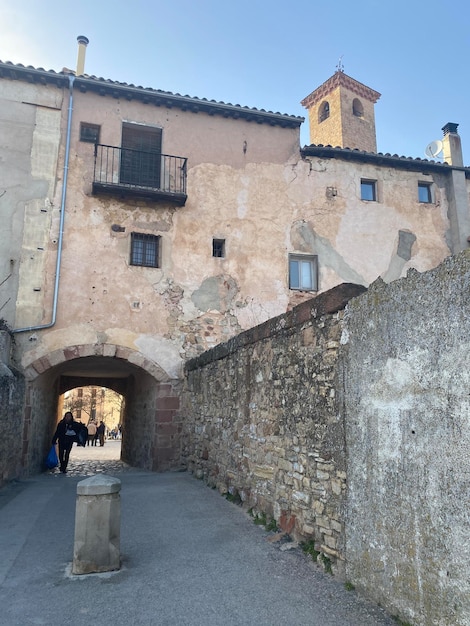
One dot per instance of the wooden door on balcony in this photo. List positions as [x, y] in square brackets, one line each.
[141, 155]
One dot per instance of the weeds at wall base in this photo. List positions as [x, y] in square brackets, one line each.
[309, 548]
[234, 497]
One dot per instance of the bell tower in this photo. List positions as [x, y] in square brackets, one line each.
[341, 113]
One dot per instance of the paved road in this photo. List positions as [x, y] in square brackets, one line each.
[189, 558]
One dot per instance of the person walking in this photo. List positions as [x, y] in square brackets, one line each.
[66, 433]
[91, 433]
[100, 432]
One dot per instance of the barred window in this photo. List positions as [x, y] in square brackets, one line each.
[145, 250]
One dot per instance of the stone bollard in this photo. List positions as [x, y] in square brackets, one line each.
[97, 525]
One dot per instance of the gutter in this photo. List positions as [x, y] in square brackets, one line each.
[61, 223]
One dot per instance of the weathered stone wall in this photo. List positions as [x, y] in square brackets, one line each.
[40, 421]
[11, 424]
[11, 411]
[262, 420]
[407, 415]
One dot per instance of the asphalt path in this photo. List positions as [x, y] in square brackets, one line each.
[189, 558]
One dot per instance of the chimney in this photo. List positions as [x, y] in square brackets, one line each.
[452, 145]
[82, 44]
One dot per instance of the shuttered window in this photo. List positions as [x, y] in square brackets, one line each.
[141, 155]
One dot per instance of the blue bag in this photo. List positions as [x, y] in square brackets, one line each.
[52, 459]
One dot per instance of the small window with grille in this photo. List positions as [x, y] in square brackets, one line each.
[89, 132]
[218, 248]
[145, 250]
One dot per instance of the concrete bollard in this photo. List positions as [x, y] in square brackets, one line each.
[97, 525]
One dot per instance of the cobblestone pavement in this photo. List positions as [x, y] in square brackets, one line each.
[92, 460]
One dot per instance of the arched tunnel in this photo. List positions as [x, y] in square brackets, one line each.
[150, 421]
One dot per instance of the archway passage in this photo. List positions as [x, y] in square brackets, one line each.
[149, 420]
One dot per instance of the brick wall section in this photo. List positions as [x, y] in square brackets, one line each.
[261, 419]
[167, 443]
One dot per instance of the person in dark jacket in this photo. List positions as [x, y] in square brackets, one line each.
[100, 432]
[66, 433]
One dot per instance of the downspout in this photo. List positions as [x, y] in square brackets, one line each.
[62, 217]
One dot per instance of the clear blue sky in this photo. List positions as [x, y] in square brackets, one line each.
[266, 54]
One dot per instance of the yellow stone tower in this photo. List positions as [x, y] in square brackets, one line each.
[341, 113]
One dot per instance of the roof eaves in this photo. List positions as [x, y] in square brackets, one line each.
[148, 95]
[30, 74]
[189, 103]
[378, 158]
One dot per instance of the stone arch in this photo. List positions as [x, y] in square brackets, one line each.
[151, 423]
[41, 364]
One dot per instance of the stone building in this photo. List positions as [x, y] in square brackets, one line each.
[142, 227]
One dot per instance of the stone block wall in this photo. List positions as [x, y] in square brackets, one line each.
[11, 411]
[12, 388]
[262, 421]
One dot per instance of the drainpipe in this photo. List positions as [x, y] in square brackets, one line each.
[61, 224]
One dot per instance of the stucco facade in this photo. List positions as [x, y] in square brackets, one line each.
[79, 305]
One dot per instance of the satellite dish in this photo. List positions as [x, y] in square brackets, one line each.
[433, 149]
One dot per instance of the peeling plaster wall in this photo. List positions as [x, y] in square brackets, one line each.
[246, 185]
[407, 416]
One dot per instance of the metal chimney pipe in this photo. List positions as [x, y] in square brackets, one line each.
[82, 44]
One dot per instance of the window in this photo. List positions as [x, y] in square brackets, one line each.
[358, 109]
[218, 248]
[369, 190]
[145, 250]
[141, 155]
[424, 192]
[323, 111]
[303, 272]
[89, 132]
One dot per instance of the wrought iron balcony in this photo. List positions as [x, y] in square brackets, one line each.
[135, 173]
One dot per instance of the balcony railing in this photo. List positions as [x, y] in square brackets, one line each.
[151, 175]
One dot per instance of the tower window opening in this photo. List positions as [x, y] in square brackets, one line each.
[358, 109]
[324, 111]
